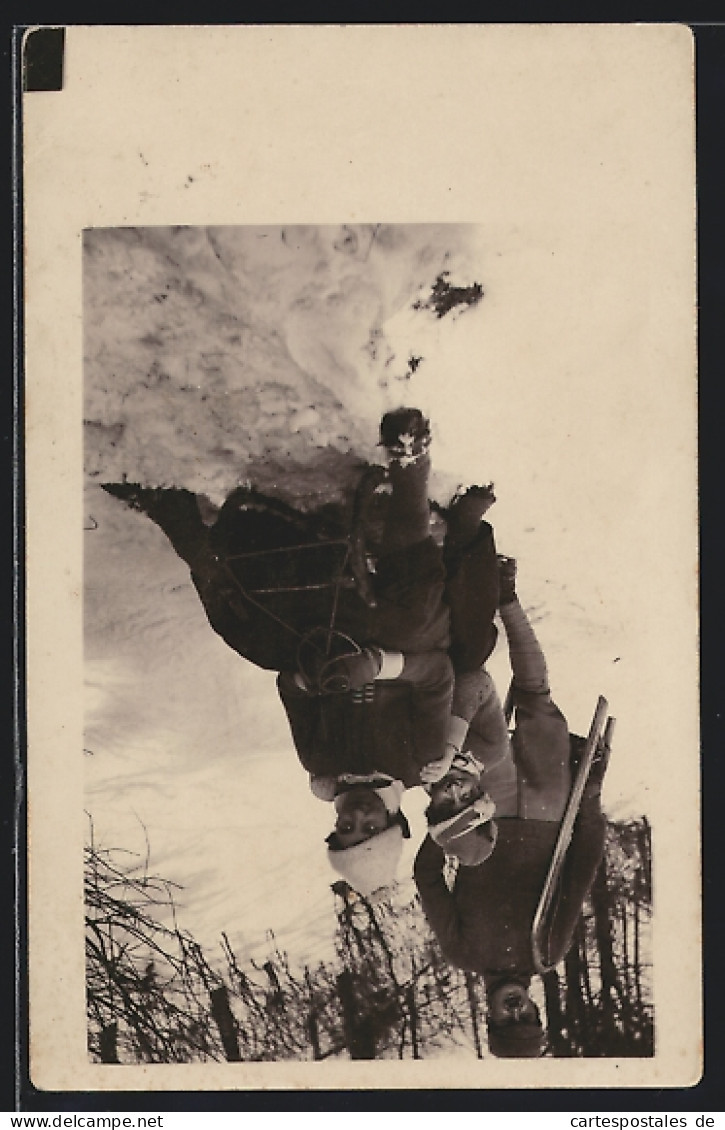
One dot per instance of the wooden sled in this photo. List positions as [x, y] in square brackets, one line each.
[599, 737]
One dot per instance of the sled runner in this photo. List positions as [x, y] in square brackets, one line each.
[598, 740]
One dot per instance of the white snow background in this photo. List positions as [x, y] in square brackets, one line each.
[220, 355]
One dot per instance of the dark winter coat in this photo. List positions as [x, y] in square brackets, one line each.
[484, 924]
[264, 579]
[396, 727]
[281, 596]
[393, 727]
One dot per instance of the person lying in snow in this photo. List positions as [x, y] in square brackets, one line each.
[484, 922]
[366, 682]
[366, 844]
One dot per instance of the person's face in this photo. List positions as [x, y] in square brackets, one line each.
[457, 789]
[511, 1002]
[361, 814]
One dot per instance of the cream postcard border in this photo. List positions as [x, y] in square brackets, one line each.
[329, 124]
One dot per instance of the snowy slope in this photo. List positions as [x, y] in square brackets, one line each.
[219, 355]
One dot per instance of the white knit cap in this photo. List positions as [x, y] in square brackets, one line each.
[330, 788]
[371, 865]
[470, 835]
[480, 811]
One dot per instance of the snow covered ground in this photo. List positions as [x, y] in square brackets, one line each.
[222, 355]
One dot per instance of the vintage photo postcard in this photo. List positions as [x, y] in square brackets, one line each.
[361, 515]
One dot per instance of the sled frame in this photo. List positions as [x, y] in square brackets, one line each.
[353, 571]
[337, 579]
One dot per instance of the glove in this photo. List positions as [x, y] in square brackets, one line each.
[435, 770]
[350, 671]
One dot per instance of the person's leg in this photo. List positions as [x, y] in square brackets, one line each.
[405, 434]
[407, 520]
[410, 614]
[530, 674]
[541, 734]
[472, 595]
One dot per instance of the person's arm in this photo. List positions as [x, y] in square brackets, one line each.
[475, 711]
[469, 694]
[303, 715]
[431, 676]
[438, 902]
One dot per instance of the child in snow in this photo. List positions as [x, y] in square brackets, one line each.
[366, 680]
[484, 923]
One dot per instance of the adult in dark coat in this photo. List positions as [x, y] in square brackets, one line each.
[364, 676]
[484, 922]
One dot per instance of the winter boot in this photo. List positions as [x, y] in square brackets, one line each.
[405, 435]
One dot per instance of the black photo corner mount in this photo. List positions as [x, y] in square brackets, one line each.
[43, 53]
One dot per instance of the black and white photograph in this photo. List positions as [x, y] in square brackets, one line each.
[367, 650]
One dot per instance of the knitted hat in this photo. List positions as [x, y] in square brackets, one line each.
[389, 790]
[466, 762]
[523, 1039]
[371, 865]
[470, 835]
